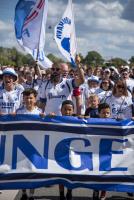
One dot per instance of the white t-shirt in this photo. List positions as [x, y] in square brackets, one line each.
[23, 110]
[130, 84]
[103, 95]
[36, 85]
[120, 106]
[53, 95]
[88, 91]
[10, 101]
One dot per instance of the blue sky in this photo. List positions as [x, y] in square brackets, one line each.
[106, 26]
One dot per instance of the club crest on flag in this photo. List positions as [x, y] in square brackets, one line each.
[65, 34]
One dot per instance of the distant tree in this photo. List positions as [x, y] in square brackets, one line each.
[54, 58]
[93, 58]
[131, 60]
[117, 62]
[14, 57]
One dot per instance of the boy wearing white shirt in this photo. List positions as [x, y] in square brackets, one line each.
[29, 108]
[29, 99]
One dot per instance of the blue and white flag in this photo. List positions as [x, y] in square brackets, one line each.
[64, 34]
[30, 22]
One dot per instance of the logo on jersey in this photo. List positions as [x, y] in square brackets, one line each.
[51, 96]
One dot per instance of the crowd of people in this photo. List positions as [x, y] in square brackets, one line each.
[84, 91]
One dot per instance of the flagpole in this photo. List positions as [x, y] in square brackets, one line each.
[36, 65]
[72, 7]
[40, 33]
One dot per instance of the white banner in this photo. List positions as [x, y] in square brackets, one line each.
[90, 153]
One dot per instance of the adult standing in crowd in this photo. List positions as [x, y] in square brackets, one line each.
[65, 70]
[125, 74]
[33, 78]
[106, 85]
[120, 101]
[58, 89]
[10, 94]
[114, 76]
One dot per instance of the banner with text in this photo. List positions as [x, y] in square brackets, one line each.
[93, 153]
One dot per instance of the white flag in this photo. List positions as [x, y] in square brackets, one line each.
[64, 34]
[30, 23]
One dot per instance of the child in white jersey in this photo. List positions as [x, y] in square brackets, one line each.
[30, 108]
[29, 100]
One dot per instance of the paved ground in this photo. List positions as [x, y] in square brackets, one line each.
[8, 194]
[51, 193]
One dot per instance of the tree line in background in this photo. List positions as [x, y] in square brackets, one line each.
[11, 56]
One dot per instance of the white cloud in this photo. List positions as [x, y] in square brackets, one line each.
[103, 28]
[99, 27]
[5, 26]
[103, 10]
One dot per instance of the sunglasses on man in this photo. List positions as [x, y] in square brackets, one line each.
[55, 69]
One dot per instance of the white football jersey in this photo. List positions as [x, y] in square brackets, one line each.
[130, 84]
[54, 95]
[23, 110]
[120, 106]
[36, 84]
[10, 101]
[103, 95]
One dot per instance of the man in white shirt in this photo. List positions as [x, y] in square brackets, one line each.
[65, 70]
[52, 93]
[129, 81]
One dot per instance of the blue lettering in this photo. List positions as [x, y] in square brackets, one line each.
[61, 23]
[20, 142]
[58, 34]
[2, 149]
[60, 27]
[62, 155]
[105, 155]
[41, 56]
